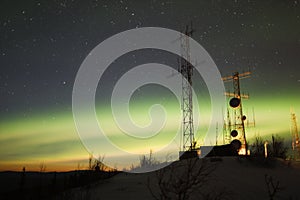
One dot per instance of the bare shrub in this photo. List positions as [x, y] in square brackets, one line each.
[272, 187]
[184, 180]
[97, 164]
[148, 163]
[257, 147]
[278, 149]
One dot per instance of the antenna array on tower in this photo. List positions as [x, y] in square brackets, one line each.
[234, 125]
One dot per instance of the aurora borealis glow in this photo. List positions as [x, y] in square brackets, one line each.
[44, 43]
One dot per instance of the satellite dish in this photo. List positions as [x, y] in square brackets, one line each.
[234, 133]
[234, 102]
[236, 144]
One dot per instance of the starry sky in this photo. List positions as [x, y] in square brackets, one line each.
[43, 44]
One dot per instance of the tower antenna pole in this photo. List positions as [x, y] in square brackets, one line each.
[186, 69]
[237, 129]
[295, 136]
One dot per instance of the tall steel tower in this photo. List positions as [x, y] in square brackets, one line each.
[235, 126]
[295, 137]
[186, 69]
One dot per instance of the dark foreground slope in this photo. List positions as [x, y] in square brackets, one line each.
[46, 185]
[210, 178]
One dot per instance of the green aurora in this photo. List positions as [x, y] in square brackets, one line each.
[55, 142]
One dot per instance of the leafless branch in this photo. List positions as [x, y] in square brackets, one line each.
[273, 188]
[181, 179]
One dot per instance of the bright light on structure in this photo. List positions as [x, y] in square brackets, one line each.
[266, 148]
[242, 151]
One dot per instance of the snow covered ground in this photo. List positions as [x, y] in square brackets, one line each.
[230, 178]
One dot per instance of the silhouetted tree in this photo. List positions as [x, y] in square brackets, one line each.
[185, 180]
[22, 182]
[257, 147]
[41, 182]
[147, 161]
[277, 148]
[90, 161]
[98, 164]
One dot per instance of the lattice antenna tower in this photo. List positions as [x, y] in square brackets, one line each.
[295, 137]
[186, 69]
[227, 128]
[235, 124]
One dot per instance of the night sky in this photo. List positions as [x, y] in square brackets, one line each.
[43, 44]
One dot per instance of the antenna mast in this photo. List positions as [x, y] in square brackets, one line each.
[295, 137]
[237, 128]
[186, 69]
